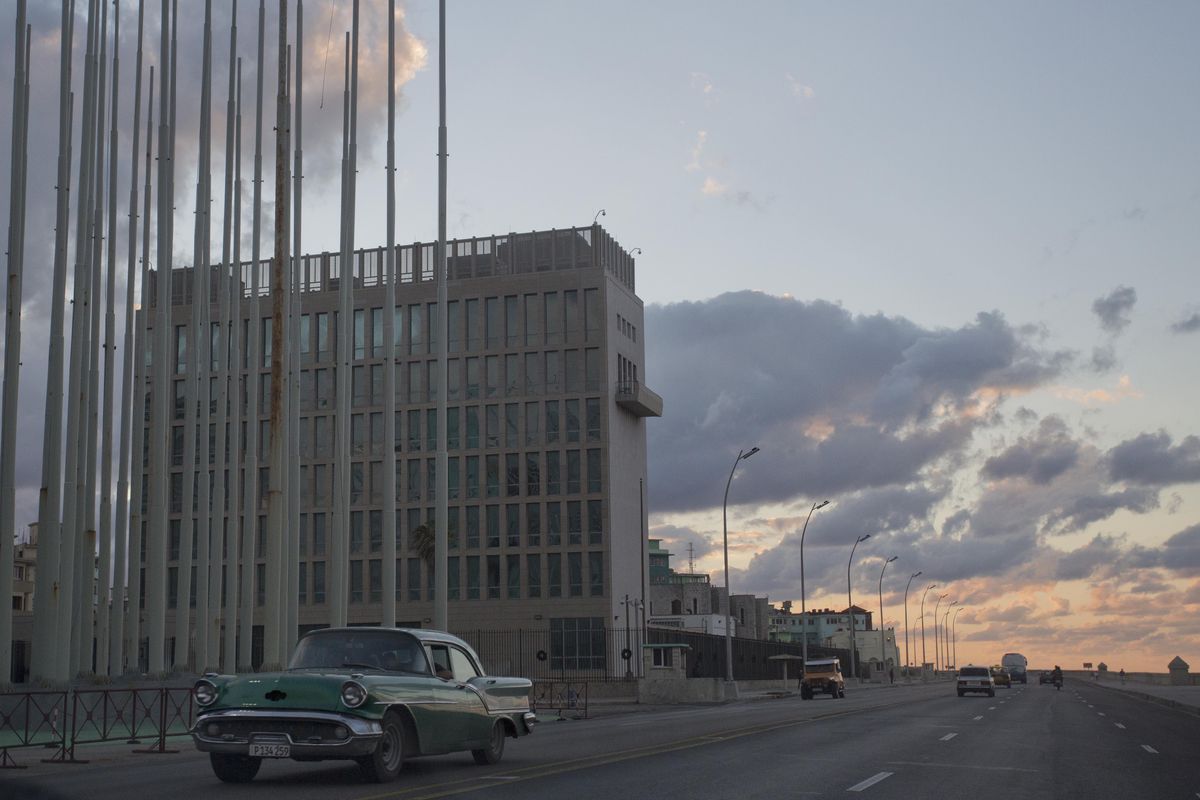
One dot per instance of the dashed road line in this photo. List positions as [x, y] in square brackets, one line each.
[1149, 749]
[1119, 725]
[979, 717]
[947, 737]
[991, 708]
[1101, 713]
[869, 782]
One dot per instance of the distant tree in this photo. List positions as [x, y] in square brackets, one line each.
[424, 543]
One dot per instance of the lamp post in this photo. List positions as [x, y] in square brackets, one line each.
[742, 454]
[636, 604]
[954, 637]
[907, 660]
[882, 635]
[803, 615]
[937, 648]
[850, 603]
[923, 657]
[945, 638]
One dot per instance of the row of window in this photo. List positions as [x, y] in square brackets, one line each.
[493, 577]
[475, 324]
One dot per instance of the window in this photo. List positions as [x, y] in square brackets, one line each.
[572, 372]
[493, 426]
[492, 322]
[551, 421]
[472, 577]
[554, 568]
[553, 318]
[512, 474]
[591, 314]
[416, 337]
[572, 407]
[553, 372]
[360, 334]
[533, 318]
[593, 471]
[577, 643]
[493, 577]
[592, 405]
[454, 323]
[492, 461]
[511, 338]
[414, 579]
[512, 525]
[533, 373]
[596, 574]
[375, 582]
[571, 307]
[356, 582]
[553, 524]
[452, 578]
[318, 594]
[533, 569]
[356, 531]
[512, 421]
[574, 522]
[533, 474]
[533, 524]
[575, 574]
[493, 526]
[592, 370]
[472, 309]
[377, 332]
[532, 418]
[595, 522]
[472, 527]
[452, 438]
[572, 472]
[512, 570]
[553, 473]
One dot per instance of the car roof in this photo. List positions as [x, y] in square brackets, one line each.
[422, 634]
[821, 662]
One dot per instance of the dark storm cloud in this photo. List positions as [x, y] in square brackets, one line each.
[1151, 459]
[676, 539]
[1189, 324]
[1039, 458]
[1086, 509]
[956, 522]
[1083, 562]
[1114, 307]
[1182, 551]
[838, 402]
[1103, 358]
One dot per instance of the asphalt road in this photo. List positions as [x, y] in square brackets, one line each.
[906, 742]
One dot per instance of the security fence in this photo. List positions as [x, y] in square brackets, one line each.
[61, 720]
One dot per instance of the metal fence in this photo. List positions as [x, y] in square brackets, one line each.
[61, 720]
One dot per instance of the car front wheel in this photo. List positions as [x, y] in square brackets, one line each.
[384, 764]
[233, 768]
[495, 749]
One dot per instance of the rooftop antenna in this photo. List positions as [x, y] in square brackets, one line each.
[691, 558]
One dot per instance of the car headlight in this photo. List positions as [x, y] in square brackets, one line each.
[205, 692]
[353, 694]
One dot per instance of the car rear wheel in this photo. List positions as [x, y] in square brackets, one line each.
[495, 749]
[234, 769]
[384, 764]
[841, 695]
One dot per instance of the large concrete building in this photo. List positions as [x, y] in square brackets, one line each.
[546, 430]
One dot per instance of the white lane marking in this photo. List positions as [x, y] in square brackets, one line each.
[869, 782]
[979, 717]
[991, 708]
[947, 737]
[1119, 725]
[1101, 713]
[1090, 705]
[956, 766]
[1149, 749]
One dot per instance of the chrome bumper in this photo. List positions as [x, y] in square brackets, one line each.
[233, 731]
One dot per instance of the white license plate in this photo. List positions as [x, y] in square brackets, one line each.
[271, 750]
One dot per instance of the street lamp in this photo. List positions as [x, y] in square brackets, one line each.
[936, 645]
[635, 604]
[923, 661]
[946, 639]
[803, 614]
[850, 603]
[954, 636]
[907, 660]
[882, 635]
[742, 454]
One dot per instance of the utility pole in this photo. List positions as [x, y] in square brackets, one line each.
[236, 557]
[388, 599]
[441, 514]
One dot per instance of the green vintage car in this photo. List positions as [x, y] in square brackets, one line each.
[374, 695]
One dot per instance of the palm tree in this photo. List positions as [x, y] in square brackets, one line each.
[423, 543]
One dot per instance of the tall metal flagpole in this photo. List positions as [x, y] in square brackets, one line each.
[292, 589]
[194, 399]
[226, 466]
[12, 327]
[103, 612]
[235, 555]
[163, 334]
[68, 614]
[122, 571]
[202, 286]
[85, 555]
[45, 611]
[277, 476]
[250, 552]
[441, 548]
[388, 600]
[139, 477]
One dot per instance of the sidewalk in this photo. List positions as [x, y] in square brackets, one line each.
[1185, 698]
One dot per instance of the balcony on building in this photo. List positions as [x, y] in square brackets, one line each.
[638, 400]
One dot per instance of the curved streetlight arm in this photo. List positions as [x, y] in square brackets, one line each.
[850, 604]
[924, 659]
[882, 631]
[742, 454]
[907, 660]
[803, 608]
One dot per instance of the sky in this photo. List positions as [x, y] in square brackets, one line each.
[939, 261]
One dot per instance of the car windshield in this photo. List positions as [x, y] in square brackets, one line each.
[973, 672]
[391, 651]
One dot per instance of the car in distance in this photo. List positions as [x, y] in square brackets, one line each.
[1001, 677]
[976, 679]
[1045, 677]
[373, 695]
[1016, 664]
[822, 675]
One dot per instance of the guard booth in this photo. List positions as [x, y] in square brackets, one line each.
[796, 662]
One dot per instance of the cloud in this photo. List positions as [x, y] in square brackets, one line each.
[800, 89]
[713, 188]
[1182, 551]
[838, 402]
[1124, 390]
[1190, 323]
[1113, 309]
[676, 539]
[1086, 509]
[1152, 459]
[1040, 458]
[702, 82]
[1104, 358]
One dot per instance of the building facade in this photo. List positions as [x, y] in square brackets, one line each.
[546, 432]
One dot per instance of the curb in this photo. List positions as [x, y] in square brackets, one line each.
[1153, 698]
